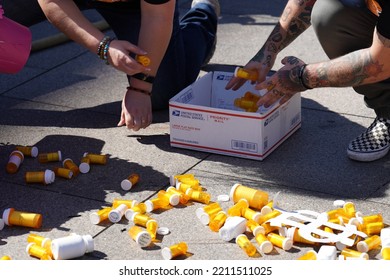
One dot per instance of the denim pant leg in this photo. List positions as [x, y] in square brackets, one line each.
[191, 41]
[341, 28]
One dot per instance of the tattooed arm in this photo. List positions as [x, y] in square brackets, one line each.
[361, 67]
[294, 20]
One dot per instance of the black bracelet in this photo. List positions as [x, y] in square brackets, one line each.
[143, 77]
[300, 76]
[148, 93]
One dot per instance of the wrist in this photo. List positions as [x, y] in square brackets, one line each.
[303, 80]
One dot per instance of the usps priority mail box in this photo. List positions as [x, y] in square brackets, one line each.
[203, 117]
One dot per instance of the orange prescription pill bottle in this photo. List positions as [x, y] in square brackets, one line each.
[13, 217]
[30, 151]
[15, 160]
[256, 198]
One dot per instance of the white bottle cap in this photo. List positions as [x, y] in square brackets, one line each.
[362, 246]
[28, 246]
[174, 199]
[287, 244]
[177, 185]
[340, 246]
[203, 217]
[256, 217]
[65, 160]
[49, 176]
[354, 221]
[1, 224]
[223, 197]
[338, 203]
[265, 210]
[34, 151]
[149, 206]
[234, 225]
[163, 231]
[94, 218]
[126, 185]
[129, 214]
[166, 253]
[59, 156]
[232, 191]
[172, 180]
[266, 247]
[84, 167]
[89, 243]
[143, 239]
[258, 229]
[327, 252]
[116, 214]
[6, 214]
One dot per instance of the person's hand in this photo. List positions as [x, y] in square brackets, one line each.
[136, 110]
[283, 84]
[119, 57]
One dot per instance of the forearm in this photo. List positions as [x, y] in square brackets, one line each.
[66, 16]
[294, 20]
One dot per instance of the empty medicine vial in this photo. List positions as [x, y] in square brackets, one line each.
[5, 258]
[139, 208]
[130, 203]
[96, 158]
[174, 251]
[246, 74]
[174, 179]
[173, 199]
[100, 216]
[183, 198]
[350, 253]
[116, 214]
[143, 59]
[385, 252]
[256, 198]
[156, 203]
[69, 164]
[310, 255]
[265, 245]
[50, 157]
[140, 235]
[40, 240]
[218, 221]
[14, 217]
[199, 196]
[152, 227]
[15, 160]
[237, 208]
[369, 243]
[85, 165]
[37, 251]
[130, 181]
[254, 227]
[43, 177]
[63, 172]
[30, 151]
[72, 246]
[139, 219]
[280, 241]
[244, 243]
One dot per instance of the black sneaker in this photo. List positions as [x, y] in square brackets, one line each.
[373, 144]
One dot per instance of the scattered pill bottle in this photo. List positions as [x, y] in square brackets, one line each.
[265, 245]
[100, 216]
[43, 177]
[37, 251]
[156, 203]
[327, 252]
[256, 198]
[152, 227]
[250, 214]
[199, 196]
[349, 209]
[140, 235]
[173, 199]
[130, 181]
[143, 59]
[44, 242]
[69, 164]
[72, 246]
[117, 213]
[310, 255]
[264, 218]
[50, 157]
[233, 226]
[372, 218]
[30, 151]
[350, 253]
[139, 219]
[183, 198]
[282, 242]
[174, 179]
[1, 224]
[174, 251]
[385, 253]
[246, 74]
[96, 158]
[372, 228]
[295, 236]
[205, 213]
[5, 258]
[85, 165]
[14, 217]
[254, 227]
[237, 208]
[139, 208]
[15, 160]
[63, 172]
[368, 244]
[218, 221]
[244, 243]
[130, 203]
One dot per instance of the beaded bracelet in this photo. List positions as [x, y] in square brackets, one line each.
[103, 48]
[139, 90]
[300, 76]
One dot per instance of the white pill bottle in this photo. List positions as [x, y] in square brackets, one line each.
[72, 246]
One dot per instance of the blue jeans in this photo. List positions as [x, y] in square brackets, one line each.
[192, 41]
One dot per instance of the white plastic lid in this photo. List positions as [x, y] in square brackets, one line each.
[143, 239]
[59, 156]
[354, 221]
[6, 214]
[94, 218]
[149, 206]
[287, 244]
[223, 197]
[338, 203]
[34, 151]
[174, 199]
[84, 167]
[130, 214]
[19, 153]
[1, 224]
[235, 71]
[163, 231]
[256, 217]
[172, 180]
[28, 246]
[49, 176]
[65, 160]
[362, 246]
[203, 217]
[258, 229]
[114, 216]
[266, 247]
[177, 185]
[234, 225]
[340, 245]
[233, 190]
[166, 253]
[89, 243]
[265, 210]
[126, 185]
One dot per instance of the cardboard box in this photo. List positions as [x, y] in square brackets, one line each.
[203, 117]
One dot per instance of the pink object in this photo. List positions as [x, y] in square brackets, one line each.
[15, 45]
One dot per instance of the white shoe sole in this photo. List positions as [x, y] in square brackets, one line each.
[367, 156]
